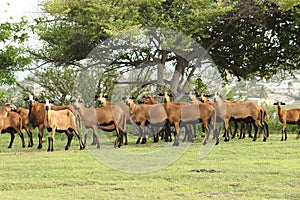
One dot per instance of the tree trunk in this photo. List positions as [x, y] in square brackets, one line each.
[178, 75]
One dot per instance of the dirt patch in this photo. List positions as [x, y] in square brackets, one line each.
[204, 171]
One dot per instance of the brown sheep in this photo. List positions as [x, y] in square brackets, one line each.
[237, 110]
[25, 124]
[102, 98]
[37, 113]
[183, 114]
[60, 121]
[144, 115]
[10, 122]
[108, 120]
[290, 116]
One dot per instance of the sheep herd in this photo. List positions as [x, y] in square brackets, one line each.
[147, 116]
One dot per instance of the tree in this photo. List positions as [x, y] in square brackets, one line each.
[13, 57]
[56, 83]
[245, 38]
[256, 39]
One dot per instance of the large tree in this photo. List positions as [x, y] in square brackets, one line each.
[245, 38]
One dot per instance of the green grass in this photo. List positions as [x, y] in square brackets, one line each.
[239, 169]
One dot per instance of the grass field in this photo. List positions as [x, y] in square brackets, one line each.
[239, 169]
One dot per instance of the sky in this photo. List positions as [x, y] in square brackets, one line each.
[18, 8]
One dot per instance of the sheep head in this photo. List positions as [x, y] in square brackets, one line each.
[48, 104]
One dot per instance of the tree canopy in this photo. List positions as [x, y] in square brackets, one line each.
[244, 38]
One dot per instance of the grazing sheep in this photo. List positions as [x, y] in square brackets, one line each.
[61, 121]
[290, 116]
[10, 122]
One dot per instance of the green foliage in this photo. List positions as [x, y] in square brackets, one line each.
[57, 83]
[256, 39]
[244, 38]
[13, 55]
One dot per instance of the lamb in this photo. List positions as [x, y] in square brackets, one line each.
[10, 122]
[61, 121]
[290, 116]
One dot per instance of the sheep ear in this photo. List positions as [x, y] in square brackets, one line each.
[282, 103]
[275, 103]
[132, 97]
[197, 95]
[170, 95]
[26, 99]
[36, 99]
[105, 96]
[208, 95]
[160, 94]
[51, 101]
[96, 96]
[42, 101]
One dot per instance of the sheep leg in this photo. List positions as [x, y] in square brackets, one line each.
[176, 134]
[168, 135]
[144, 140]
[236, 126]
[49, 143]
[51, 139]
[118, 138]
[85, 135]
[95, 137]
[266, 132]
[249, 130]
[226, 130]
[242, 131]
[207, 132]
[40, 135]
[29, 133]
[22, 138]
[70, 137]
[12, 137]
[81, 145]
[255, 132]
[126, 139]
[140, 135]
[285, 134]
[283, 131]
